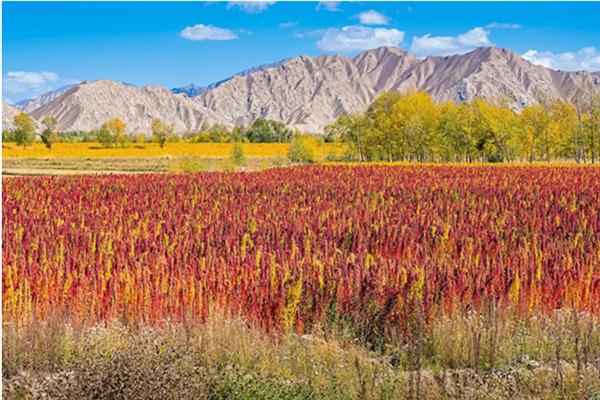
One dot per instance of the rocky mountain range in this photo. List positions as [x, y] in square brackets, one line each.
[307, 93]
[8, 115]
[36, 102]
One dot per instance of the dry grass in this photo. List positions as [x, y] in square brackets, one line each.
[225, 358]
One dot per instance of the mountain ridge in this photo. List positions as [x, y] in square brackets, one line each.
[306, 93]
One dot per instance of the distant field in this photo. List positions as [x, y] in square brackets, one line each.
[95, 150]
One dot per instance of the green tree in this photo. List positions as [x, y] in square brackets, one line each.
[49, 135]
[24, 129]
[161, 132]
[456, 129]
[105, 137]
[268, 131]
[237, 154]
[304, 149]
[384, 139]
[112, 132]
[351, 129]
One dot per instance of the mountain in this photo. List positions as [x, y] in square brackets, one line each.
[36, 102]
[8, 115]
[87, 105]
[193, 90]
[307, 93]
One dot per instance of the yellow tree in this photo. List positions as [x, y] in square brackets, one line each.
[415, 118]
[456, 129]
[384, 139]
[117, 128]
[161, 131]
[564, 130]
[49, 135]
[24, 129]
[495, 129]
[536, 133]
[351, 129]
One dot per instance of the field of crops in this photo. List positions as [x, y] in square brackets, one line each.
[182, 149]
[295, 248]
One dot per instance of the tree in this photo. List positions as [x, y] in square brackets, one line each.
[536, 124]
[594, 127]
[237, 154]
[24, 129]
[116, 127]
[304, 148]
[161, 132]
[350, 128]
[564, 130]
[383, 137]
[456, 128]
[49, 135]
[416, 117]
[105, 137]
[496, 129]
[268, 131]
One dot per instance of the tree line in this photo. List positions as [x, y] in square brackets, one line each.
[412, 127]
[112, 133]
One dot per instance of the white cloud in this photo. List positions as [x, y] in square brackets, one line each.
[446, 45]
[502, 25]
[285, 25]
[356, 37]
[586, 59]
[26, 84]
[372, 17]
[329, 5]
[252, 7]
[207, 32]
[16, 82]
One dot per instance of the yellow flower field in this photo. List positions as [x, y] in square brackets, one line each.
[183, 149]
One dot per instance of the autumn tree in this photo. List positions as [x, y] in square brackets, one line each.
[593, 127]
[49, 135]
[161, 132]
[350, 129]
[564, 132]
[112, 132]
[535, 120]
[24, 132]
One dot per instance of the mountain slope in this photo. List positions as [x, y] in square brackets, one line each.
[8, 114]
[308, 93]
[193, 90]
[87, 105]
[36, 102]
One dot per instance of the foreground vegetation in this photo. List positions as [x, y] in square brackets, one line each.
[225, 358]
[412, 281]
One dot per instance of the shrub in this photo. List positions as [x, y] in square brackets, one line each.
[305, 149]
[237, 155]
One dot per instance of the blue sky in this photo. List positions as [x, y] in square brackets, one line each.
[46, 45]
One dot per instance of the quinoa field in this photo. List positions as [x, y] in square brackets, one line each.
[379, 255]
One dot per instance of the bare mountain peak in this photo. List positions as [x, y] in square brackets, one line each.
[307, 93]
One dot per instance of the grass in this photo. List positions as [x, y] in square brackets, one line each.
[226, 358]
[72, 166]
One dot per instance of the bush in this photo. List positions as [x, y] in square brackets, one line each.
[237, 155]
[305, 149]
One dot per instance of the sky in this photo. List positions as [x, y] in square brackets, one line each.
[46, 45]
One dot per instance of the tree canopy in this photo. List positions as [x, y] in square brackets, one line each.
[412, 127]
